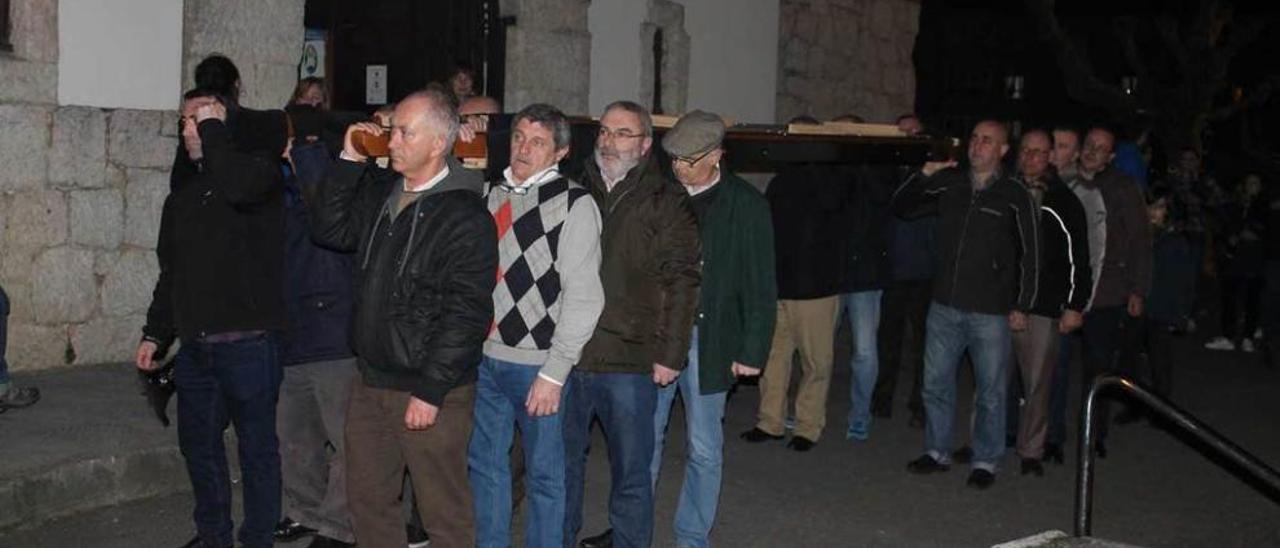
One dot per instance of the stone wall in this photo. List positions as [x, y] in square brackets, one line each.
[263, 37]
[81, 188]
[548, 54]
[846, 56]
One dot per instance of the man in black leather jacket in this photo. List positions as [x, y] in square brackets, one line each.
[426, 258]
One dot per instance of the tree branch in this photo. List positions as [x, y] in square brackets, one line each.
[1078, 74]
[1124, 30]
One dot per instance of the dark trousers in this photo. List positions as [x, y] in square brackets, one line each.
[231, 383]
[1157, 337]
[379, 448]
[904, 306]
[312, 424]
[1058, 390]
[1108, 334]
[1240, 296]
[624, 403]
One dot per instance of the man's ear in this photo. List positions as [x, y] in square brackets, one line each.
[560, 154]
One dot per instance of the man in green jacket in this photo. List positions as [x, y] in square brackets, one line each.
[736, 311]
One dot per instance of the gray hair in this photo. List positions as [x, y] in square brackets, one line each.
[441, 113]
[549, 117]
[646, 121]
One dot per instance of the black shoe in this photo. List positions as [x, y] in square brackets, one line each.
[1053, 453]
[288, 530]
[417, 536]
[325, 542]
[1100, 449]
[197, 543]
[801, 444]
[980, 479]
[963, 455]
[756, 435]
[1032, 466]
[926, 465]
[602, 540]
[18, 398]
[916, 420]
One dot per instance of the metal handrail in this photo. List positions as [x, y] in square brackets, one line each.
[1219, 443]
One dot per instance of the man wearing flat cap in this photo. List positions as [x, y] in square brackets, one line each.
[734, 323]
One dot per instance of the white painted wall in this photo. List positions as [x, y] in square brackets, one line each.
[733, 66]
[120, 53]
[615, 51]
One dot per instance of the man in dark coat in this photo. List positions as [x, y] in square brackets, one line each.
[426, 252]
[220, 292]
[650, 271]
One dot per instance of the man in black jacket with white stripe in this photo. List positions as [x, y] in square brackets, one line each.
[988, 269]
[1065, 286]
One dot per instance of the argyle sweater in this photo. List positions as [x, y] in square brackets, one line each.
[548, 296]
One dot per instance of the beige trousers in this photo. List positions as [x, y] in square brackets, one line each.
[809, 326]
[1036, 350]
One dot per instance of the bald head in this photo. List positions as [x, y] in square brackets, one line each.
[987, 145]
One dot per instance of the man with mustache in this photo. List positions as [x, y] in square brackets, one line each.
[650, 271]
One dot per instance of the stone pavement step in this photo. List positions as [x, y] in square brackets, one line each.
[91, 441]
[1059, 539]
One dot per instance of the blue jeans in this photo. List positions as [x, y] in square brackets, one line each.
[624, 403]
[864, 320]
[700, 492]
[986, 336]
[4, 336]
[501, 390]
[231, 383]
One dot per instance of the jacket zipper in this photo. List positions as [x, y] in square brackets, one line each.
[964, 229]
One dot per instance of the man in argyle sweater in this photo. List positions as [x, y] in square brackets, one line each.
[545, 305]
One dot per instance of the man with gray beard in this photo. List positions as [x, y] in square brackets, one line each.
[650, 270]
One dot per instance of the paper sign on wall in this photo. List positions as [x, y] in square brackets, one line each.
[375, 84]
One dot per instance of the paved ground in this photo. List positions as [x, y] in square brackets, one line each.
[1154, 490]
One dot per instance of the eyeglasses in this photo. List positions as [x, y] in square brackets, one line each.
[623, 133]
[691, 160]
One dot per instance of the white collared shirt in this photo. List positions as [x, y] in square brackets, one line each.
[696, 190]
[444, 172]
[548, 174]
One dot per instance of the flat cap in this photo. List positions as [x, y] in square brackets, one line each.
[694, 133]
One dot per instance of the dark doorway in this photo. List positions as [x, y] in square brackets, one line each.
[419, 42]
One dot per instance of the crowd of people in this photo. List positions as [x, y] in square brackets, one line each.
[408, 350]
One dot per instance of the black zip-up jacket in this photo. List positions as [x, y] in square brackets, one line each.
[425, 277]
[867, 267]
[988, 240]
[1066, 281]
[220, 248]
[810, 236]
